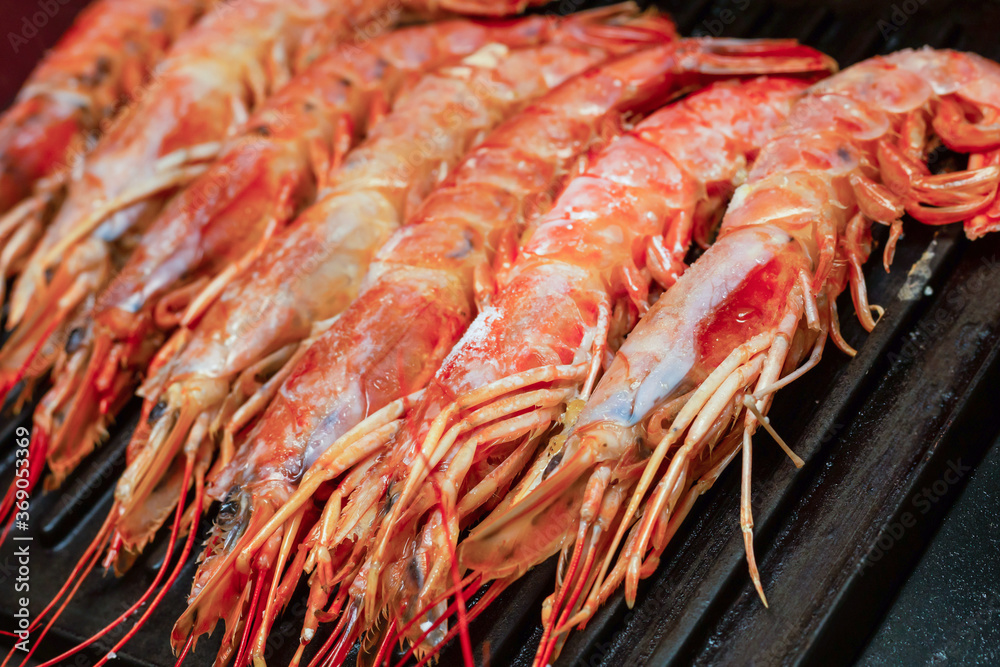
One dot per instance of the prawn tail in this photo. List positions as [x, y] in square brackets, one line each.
[988, 220]
[623, 23]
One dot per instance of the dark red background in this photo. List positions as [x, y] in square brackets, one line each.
[15, 67]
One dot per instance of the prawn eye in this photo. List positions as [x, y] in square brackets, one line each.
[157, 411]
[415, 572]
[75, 340]
[391, 497]
[231, 505]
[232, 520]
[551, 466]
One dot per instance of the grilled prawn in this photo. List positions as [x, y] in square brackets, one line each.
[226, 217]
[213, 372]
[695, 378]
[218, 71]
[574, 290]
[363, 185]
[421, 290]
[216, 75]
[98, 66]
[600, 97]
[313, 272]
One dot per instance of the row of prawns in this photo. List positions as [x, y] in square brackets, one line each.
[389, 300]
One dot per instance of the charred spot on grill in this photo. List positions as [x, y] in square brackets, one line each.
[465, 248]
[157, 411]
[551, 466]
[74, 340]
